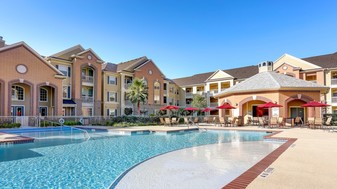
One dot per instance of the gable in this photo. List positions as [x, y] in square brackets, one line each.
[219, 75]
[147, 66]
[294, 62]
[66, 54]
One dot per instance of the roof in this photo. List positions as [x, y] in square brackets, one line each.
[238, 73]
[324, 61]
[131, 64]
[265, 81]
[110, 67]
[66, 54]
[35, 53]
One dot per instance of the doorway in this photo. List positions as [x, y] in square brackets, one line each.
[18, 111]
[297, 112]
[43, 111]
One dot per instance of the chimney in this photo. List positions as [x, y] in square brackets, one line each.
[2, 42]
[266, 66]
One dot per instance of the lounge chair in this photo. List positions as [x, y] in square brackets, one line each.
[318, 123]
[162, 121]
[273, 122]
[216, 121]
[196, 121]
[187, 121]
[262, 122]
[327, 125]
[233, 121]
[298, 121]
[311, 122]
[280, 122]
[174, 121]
[167, 121]
[222, 121]
[206, 119]
[256, 121]
[249, 121]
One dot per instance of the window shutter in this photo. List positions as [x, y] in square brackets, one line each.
[68, 91]
[115, 97]
[108, 112]
[108, 96]
[115, 112]
[108, 79]
[69, 72]
[116, 81]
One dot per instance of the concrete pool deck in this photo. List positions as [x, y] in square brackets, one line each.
[309, 163]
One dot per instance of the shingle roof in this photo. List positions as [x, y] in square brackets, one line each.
[271, 81]
[131, 64]
[238, 73]
[110, 67]
[324, 61]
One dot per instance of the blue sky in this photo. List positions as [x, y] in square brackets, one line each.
[182, 37]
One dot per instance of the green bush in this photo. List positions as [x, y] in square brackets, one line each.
[10, 125]
[68, 123]
[125, 121]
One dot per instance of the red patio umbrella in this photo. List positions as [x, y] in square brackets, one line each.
[269, 105]
[315, 104]
[170, 107]
[226, 106]
[191, 109]
[207, 109]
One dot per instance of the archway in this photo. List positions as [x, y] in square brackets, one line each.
[47, 104]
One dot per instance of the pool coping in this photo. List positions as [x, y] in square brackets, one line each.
[17, 139]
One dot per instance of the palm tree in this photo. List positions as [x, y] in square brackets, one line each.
[137, 92]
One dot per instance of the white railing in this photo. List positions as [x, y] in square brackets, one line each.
[213, 104]
[334, 99]
[86, 134]
[87, 99]
[200, 92]
[333, 81]
[213, 92]
[87, 79]
[189, 95]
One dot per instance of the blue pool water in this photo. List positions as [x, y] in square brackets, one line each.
[97, 162]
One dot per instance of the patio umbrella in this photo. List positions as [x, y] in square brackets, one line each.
[269, 105]
[207, 109]
[191, 109]
[170, 107]
[315, 104]
[226, 106]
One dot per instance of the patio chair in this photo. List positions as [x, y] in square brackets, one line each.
[187, 121]
[233, 121]
[196, 121]
[280, 122]
[318, 123]
[262, 122]
[216, 121]
[249, 120]
[174, 121]
[222, 121]
[273, 122]
[298, 121]
[162, 121]
[311, 122]
[327, 125]
[206, 119]
[167, 121]
[256, 121]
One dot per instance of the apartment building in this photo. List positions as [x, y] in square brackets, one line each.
[211, 83]
[29, 85]
[318, 69]
[118, 78]
[81, 88]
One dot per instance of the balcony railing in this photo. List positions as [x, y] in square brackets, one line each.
[87, 99]
[213, 92]
[333, 81]
[334, 99]
[189, 95]
[213, 104]
[87, 79]
[127, 85]
[200, 92]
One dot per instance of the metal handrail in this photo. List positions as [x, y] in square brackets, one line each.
[86, 134]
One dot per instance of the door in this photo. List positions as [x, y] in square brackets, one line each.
[18, 111]
[43, 111]
[297, 112]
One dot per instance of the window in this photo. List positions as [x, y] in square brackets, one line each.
[87, 111]
[64, 69]
[164, 100]
[156, 99]
[43, 95]
[112, 97]
[66, 92]
[112, 80]
[177, 102]
[165, 86]
[111, 112]
[156, 85]
[17, 93]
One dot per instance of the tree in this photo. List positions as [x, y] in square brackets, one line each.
[137, 92]
[199, 101]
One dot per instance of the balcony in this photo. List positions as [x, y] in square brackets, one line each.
[189, 95]
[87, 79]
[334, 81]
[200, 93]
[127, 85]
[87, 99]
[334, 99]
[213, 92]
[213, 104]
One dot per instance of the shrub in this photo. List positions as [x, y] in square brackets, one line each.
[124, 121]
[10, 125]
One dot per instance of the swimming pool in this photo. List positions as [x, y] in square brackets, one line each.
[96, 163]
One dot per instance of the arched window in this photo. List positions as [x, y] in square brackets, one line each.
[18, 93]
[43, 95]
